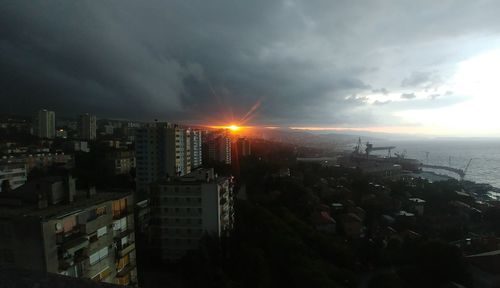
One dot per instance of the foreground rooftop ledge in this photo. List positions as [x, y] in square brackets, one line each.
[22, 278]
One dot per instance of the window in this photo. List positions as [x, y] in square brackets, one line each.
[124, 241]
[93, 214]
[101, 211]
[68, 224]
[119, 207]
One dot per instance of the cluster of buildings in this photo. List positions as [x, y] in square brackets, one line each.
[52, 224]
[185, 201]
[44, 126]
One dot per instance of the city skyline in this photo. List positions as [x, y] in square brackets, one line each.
[280, 64]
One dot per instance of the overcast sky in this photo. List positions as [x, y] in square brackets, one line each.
[427, 67]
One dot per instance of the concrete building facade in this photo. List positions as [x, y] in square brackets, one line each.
[196, 150]
[162, 150]
[219, 148]
[183, 209]
[49, 226]
[44, 124]
[87, 127]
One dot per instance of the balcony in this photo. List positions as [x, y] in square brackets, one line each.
[75, 244]
[92, 225]
[126, 270]
[69, 236]
[124, 250]
[101, 242]
[121, 234]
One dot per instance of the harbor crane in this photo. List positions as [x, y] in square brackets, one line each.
[465, 170]
[370, 148]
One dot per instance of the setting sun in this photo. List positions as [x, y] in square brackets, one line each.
[233, 128]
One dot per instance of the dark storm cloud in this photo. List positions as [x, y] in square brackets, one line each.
[213, 60]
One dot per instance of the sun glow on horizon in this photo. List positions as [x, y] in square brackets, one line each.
[234, 128]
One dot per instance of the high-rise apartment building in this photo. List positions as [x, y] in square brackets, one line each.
[243, 147]
[196, 151]
[87, 127]
[162, 150]
[219, 148]
[49, 226]
[184, 208]
[44, 124]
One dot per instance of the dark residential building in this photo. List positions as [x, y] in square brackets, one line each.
[243, 147]
[185, 208]
[49, 226]
[87, 127]
[162, 149]
[219, 148]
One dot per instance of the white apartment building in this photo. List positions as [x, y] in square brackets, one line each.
[196, 150]
[184, 208]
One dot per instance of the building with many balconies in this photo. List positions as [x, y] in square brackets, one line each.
[183, 209]
[48, 226]
[162, 150]
[219, 148]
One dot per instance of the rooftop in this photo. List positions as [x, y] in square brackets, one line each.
[198, 176]
[53, 211]
[20, 278]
